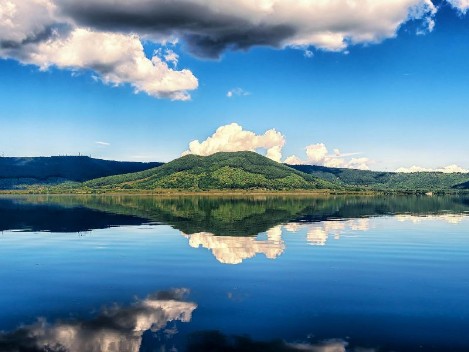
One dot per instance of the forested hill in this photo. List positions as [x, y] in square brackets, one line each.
[23, 171]
[227, 170]
[376, 180]
[219, 171]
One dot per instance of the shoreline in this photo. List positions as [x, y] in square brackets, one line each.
[172, 192]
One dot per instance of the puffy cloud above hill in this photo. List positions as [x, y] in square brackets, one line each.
[233, 138]
[447, 169]
[318, 154]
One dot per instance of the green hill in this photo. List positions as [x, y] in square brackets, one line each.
[220, 171]
[375, 180]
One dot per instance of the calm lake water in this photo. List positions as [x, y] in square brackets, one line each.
[141, 273]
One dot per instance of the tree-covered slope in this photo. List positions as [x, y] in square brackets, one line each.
[417, 181]
[15, 172]
[237, 170]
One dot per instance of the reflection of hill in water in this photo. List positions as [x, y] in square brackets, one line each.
[227, 216]
[27, 215]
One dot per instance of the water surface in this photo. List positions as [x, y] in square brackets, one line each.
[142, 273]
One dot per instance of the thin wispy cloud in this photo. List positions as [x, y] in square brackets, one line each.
[103, 144]
[237, 92]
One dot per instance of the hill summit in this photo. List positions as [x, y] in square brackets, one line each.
[219, 171]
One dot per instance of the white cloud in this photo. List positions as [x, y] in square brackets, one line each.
[171, 56]
[293, 160]
[237, 92]
[359, 163]
[211, 26]
[318, 154]
[308, 54]
[116, 58]
[232, 138]
[62, 33]
[25, 20]
[461, 5]
[104, 144]
[447, 169]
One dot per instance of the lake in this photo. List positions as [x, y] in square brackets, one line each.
[147, 273]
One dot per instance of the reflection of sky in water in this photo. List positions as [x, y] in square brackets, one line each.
[233, 250]
[394, 281]
[115, 329]
[236, 249]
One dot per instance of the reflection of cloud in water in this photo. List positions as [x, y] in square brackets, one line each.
[448, 218]
[233, 250]
[318, 233]
[115, 329]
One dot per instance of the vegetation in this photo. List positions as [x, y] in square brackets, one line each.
[20, 173]
[389, 181]
[220, 171]
[226, 215]
[237, 171]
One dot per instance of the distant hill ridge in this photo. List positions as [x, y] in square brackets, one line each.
[379, 180]
[17, 171]
[220, 171]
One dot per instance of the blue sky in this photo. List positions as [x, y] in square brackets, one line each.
[399, 101]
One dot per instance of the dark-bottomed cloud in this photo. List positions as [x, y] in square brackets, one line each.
[108, 36]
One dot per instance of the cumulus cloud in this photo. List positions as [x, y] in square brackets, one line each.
[61, 32]
[233, 138]
[210, 27]
[447, 169]
[293, 160]
[32, 32]
[318, 154]
[240, 92]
